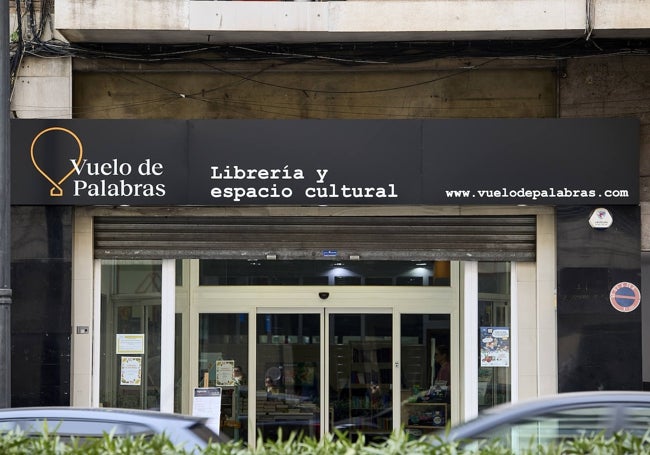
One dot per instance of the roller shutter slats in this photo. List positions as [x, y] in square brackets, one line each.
[374, 238]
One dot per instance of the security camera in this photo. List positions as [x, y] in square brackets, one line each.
[323, 295]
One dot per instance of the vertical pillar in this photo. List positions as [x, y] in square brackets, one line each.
[5, 217]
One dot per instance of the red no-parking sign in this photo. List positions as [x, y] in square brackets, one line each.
[625, 297]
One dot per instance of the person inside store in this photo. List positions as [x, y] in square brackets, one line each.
[441, 357]
[238, 375]
[440, 389]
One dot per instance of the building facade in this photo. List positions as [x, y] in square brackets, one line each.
[330, 201]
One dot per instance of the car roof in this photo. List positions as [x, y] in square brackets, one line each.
[622, 396]
[508, 412]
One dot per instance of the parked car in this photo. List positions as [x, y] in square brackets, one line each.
[184, 431]
[551, 419]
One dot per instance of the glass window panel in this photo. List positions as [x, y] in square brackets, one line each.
[130, 305]
[179, 272]
[494, 334]
[224, 336]
[288, 375]
[178, 363]
[361, 382]
[213, 272]
[425, 391]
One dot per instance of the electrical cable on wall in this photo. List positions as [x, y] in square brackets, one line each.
[274, 55]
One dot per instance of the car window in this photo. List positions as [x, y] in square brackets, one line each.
[550, 428]
[83, 428]
[636, 419]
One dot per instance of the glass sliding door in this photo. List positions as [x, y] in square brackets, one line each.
[317, 370]
[360, 374]
[288, 368]
[314, 366]
[426, 372]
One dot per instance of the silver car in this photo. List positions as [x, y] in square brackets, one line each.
[554, 418]
[183, 431]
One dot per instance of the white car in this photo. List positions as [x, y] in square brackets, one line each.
[188, 432]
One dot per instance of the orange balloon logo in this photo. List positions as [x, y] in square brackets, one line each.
[56, 189]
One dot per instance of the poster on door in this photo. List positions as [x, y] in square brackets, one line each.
[225, 372]
[495, 346]
[129, 343]
[131, 371]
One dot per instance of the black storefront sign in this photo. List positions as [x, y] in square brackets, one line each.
[325, 162]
